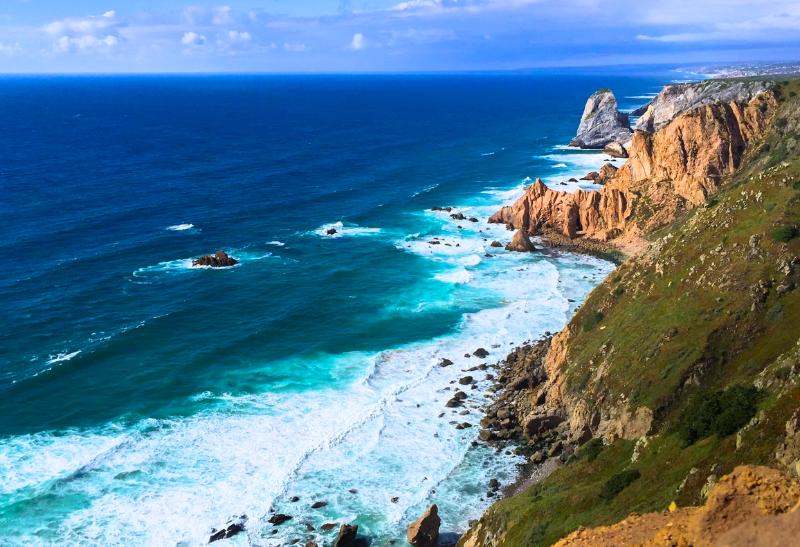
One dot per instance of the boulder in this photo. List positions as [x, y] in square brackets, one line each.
[520, 243]
[424, 532]
[331, 231]
[591, 175]
[319, 504]
[539, 423]
[480, 353]
[615, 150]
[220, 259]
[233, 527]
[602, 122]
[465, 381]
[458, 216]
[445, 362]
[496, 244]
[347, 536]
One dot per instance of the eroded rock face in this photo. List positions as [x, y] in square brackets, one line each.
[744, 508]
[674, 100]
[424, 532]
[676, 168]
[220, 259]
[602, 123]
[347, 536]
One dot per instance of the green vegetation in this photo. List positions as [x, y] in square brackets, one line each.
[618, 483]
[720, 413]
[592, 449]
[784, 234]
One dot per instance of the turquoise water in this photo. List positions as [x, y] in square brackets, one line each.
[143, 401]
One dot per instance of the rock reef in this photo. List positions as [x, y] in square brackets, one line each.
[220, 259]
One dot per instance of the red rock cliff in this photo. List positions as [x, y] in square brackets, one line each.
[677, 167]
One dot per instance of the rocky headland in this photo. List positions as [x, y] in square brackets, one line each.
[688, 142]
[683, 365]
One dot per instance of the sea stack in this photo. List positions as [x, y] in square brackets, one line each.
[520, 243]
[602, 123]
[424, 532]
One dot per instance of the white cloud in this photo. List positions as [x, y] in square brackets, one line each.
[10, 49]
[358, 42]
[295, 47]
[100, 33]
[239, 37]
[223, 15]
[192, 38]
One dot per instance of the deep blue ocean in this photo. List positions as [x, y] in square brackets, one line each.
[144, 401]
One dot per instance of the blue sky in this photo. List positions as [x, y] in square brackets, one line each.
[387, 35]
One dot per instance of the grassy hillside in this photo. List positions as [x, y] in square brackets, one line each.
[703, 329]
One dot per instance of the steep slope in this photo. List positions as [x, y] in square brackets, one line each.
[674, 169]
[681, 365]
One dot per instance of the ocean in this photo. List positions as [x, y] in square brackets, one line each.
[144, 401]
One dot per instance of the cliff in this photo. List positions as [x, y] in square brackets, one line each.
[674, 169]
[685, 362]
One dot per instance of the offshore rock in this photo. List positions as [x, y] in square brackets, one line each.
[233, 527]
[220, 259]
[602, 123]
[424, 532]
[347, 536]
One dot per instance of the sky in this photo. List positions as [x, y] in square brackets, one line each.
[332, 36]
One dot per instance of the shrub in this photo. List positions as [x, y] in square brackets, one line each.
[784, 233]
[721, 413]
[618, 483]
[592, 449]
[619, 290]
[592, 319]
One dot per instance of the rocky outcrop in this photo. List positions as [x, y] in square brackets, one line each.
[676, 168]
[750, 506]
[602, 123]
[674, 100]
[424, 532]
[347, 536]
[220, 259]
[520, 243]
[615, 150]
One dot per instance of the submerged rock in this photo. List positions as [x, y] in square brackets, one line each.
[220, 259]
[602, 123]
[331, 231]
[424, 532]
[232, 527]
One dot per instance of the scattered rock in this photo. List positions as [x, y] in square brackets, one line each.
[496, 244]
[424, 532]
[220, 259]
[328, 526]
[278, 518]
[480, 353]
[319, 504]
[233, 527]
[445, 362]
[331, 231]
[466, 380]
[458, 216]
